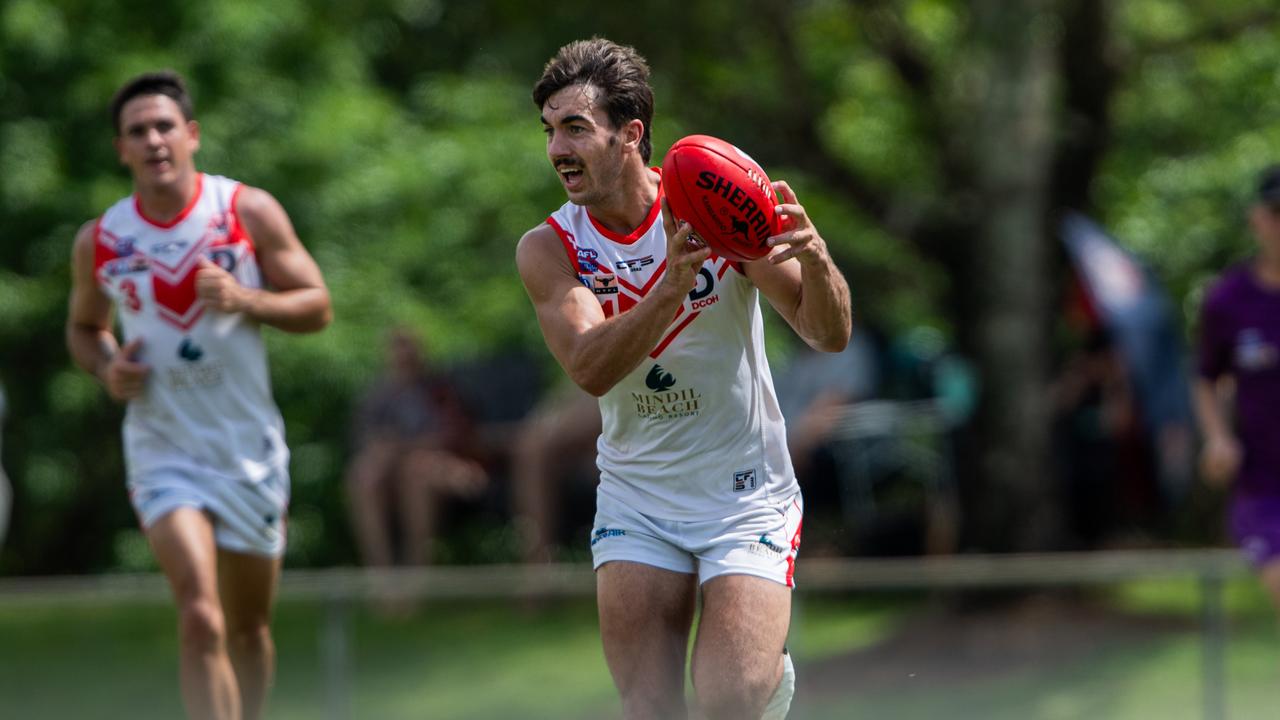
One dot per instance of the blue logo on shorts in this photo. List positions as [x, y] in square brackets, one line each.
[605, 533]
[765, 541]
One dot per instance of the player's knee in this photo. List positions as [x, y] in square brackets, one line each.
[251, 638]
[202, 625]
[735, 693]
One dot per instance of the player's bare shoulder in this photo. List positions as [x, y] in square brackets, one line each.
[262, 214]
[541, 258]
[82, 246]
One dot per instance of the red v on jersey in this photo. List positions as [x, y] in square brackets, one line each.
[173, 261]
[620, 283]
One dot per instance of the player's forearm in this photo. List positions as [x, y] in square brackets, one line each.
[1209, 411]
[302, 310]
[91, 347]
[606, 353]
[823, 316]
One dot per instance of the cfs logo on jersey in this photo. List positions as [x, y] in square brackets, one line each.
[634, 264]
[666, 401]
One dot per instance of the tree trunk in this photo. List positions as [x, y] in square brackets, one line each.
[1009, 93]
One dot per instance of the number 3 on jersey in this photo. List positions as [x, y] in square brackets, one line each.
[129, 289]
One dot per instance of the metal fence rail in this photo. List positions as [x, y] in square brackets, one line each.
[813, 575]
[340, 588]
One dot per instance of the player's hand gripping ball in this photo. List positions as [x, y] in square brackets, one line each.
[723, 194]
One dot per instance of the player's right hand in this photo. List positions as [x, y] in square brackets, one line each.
[125, 377]
[685, 252]
[1220, 460]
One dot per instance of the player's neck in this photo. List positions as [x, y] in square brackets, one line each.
[164, 202]
[627, 209]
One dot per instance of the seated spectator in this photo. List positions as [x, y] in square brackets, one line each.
[414, 449]
[814, 387]
[555, 448]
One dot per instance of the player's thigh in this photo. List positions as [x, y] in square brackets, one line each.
[247, 584]
[645, 617]
[742, 629]
[183, 543]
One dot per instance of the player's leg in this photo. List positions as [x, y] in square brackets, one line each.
[183, 543]
[247, 585]
[738, 655]
[645, 617]
[745, 565]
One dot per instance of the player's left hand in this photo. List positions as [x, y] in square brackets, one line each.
[219, 289]
[798, 233]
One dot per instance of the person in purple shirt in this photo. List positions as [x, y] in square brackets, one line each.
[1239, 369]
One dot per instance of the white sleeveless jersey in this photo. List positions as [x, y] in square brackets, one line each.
[208, 398]
[694, 432]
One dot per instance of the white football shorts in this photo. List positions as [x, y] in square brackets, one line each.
[761, 540]
[248, 517]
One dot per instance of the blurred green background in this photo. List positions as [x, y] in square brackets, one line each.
[934, 142]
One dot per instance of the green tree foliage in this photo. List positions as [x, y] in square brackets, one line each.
[400, 137]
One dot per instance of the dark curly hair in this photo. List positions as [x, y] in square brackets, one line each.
[621, 74]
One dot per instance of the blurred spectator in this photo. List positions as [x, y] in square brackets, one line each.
[1100, 447]
[414, 449]
[1111, 289]
[6, 492]
[812, 390]
[554, 456]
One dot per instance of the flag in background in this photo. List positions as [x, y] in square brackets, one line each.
[1133, 306]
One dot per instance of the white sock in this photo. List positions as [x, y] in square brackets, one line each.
[780, 703]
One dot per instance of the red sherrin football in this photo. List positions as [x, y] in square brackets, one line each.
[723, 194]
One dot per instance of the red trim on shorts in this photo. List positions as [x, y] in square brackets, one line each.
[791, 559]
[137, 206]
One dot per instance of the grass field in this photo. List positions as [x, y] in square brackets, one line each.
[1133, 654]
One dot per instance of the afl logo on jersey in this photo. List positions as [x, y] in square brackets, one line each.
[124, 246]
[587, 260]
